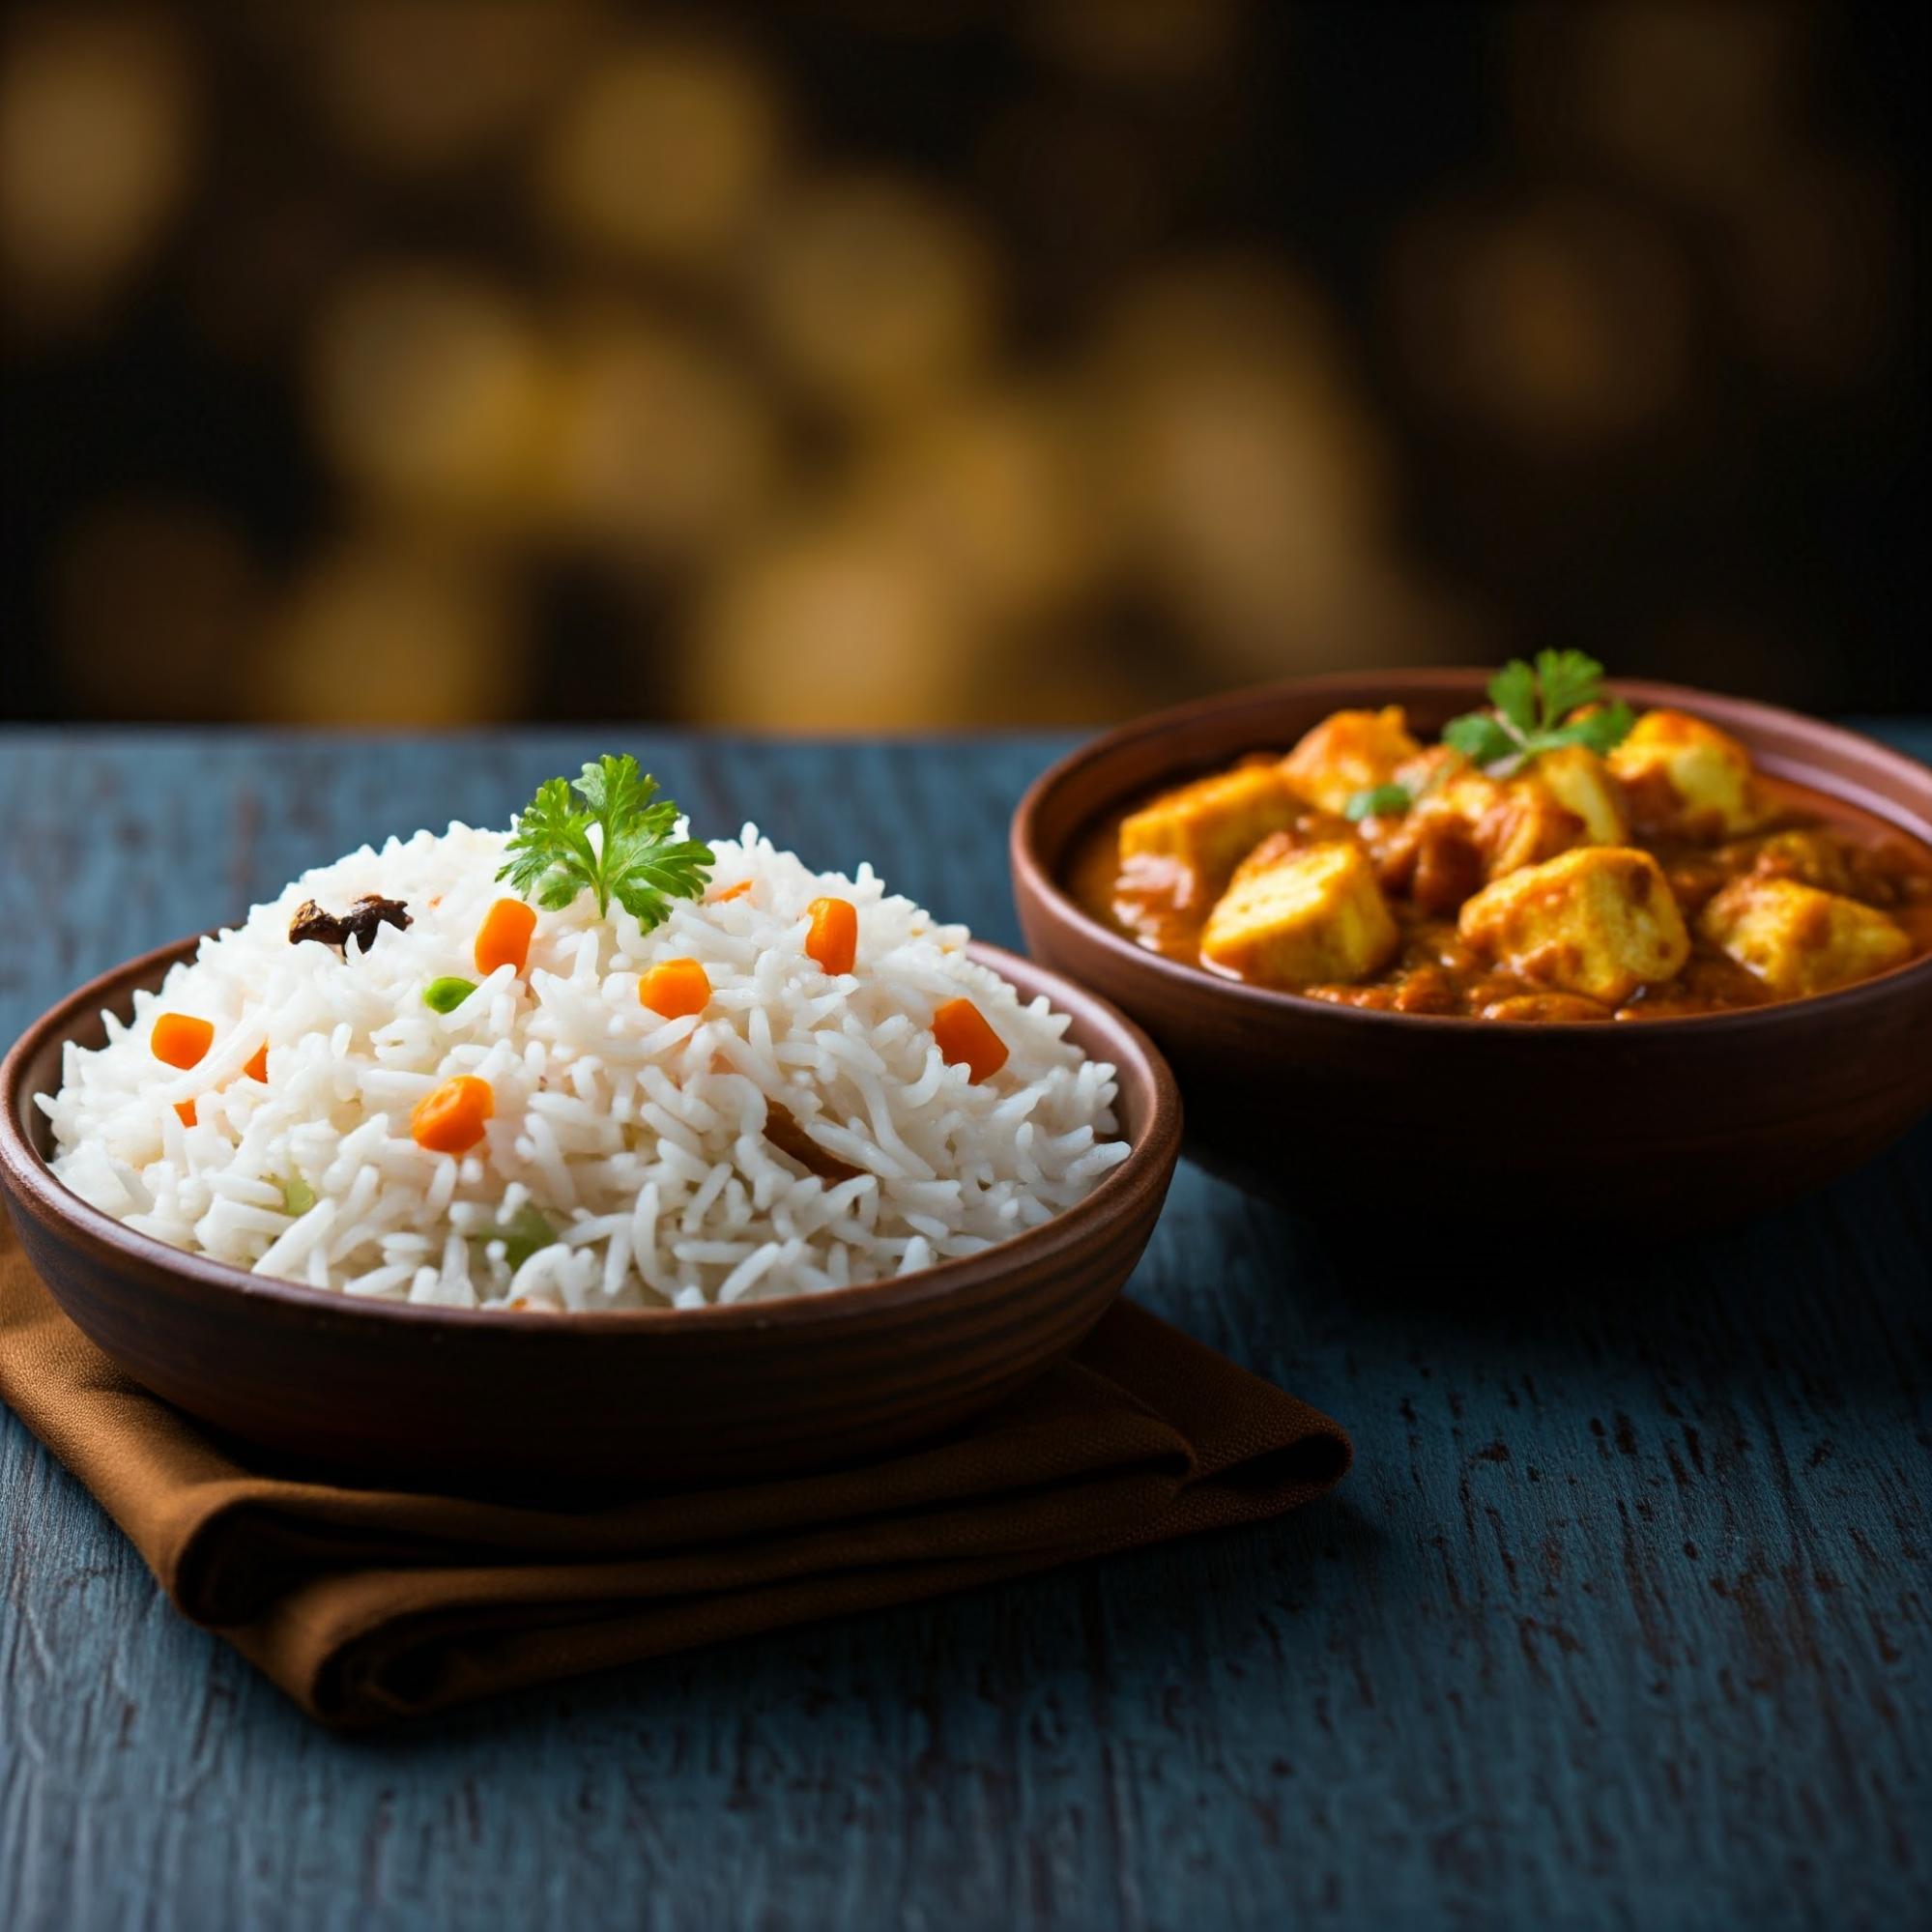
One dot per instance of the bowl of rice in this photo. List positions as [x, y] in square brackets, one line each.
[657, 1163]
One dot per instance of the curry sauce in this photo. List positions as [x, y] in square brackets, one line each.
[1438, 960]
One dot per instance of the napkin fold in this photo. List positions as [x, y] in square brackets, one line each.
[366, 1605]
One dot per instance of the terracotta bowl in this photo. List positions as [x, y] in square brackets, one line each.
[650, 1397]
[1457, 1125]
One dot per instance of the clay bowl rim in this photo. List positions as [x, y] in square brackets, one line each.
[1034, 875]
[1154, 1152]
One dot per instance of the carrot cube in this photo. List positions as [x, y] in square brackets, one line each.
[675, 988]
[832, 938]
[504, 937]
[450, 1119]
[964, 1039]
[181, 1040]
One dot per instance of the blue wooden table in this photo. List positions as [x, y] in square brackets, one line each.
[1623, 1619]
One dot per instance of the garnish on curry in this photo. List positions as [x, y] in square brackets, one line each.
[1556, 857]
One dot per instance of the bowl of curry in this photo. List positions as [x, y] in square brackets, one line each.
[1418, 940]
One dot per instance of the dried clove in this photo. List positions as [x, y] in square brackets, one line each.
[359, 922]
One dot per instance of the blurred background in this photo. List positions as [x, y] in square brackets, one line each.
[841, 364]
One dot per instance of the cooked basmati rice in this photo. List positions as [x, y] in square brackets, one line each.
[638, 1140]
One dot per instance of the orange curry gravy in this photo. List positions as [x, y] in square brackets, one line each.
[1850, 851]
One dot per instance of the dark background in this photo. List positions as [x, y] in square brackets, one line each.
[854, 365]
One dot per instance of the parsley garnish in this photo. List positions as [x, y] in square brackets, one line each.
[633, 858]
[1379, 801]
[1533, 705]
[1532, 712]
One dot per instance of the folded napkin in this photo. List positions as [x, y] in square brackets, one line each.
[367, 1605]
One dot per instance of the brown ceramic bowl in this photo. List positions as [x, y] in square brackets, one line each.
[1456, 1125]
[650, 1397]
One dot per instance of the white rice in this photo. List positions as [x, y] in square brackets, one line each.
[638, 1139]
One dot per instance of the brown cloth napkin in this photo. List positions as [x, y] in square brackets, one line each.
[367, 1605]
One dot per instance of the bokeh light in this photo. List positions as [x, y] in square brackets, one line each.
[1562, 324]
[380, 628]
[862, 364]
[419, 86]
[838, 625]
[663, 447]
[664, 151]
[874, 295]
[429, 390]
[1249, 477]
[96, 144]
[998, 490]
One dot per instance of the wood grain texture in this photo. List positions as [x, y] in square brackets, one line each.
[1622, 1619]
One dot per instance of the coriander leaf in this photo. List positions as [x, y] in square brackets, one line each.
[614, 790]
[1533, 713]
[1565, 679]
[1480, 737]
[632, 856]
[645, 881]
[1513, 692]
[1379, 801]
[550, 849]
[1603, 730]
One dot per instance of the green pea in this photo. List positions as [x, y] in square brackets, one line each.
[522, 1235]
[446, 995]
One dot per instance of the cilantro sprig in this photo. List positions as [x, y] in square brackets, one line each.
[616, 844]
[1380, 801]
[1533, 705]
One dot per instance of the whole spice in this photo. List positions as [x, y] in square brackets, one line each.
[359, 922]
[783, 1130]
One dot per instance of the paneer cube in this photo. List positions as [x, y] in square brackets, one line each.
[1565, 799]
[1205, 829]
[1301, 917]
[1799, 939]
[1524, 826]
[1580, 782]
[1685, 778]
[1467, 792]
[1600, 921]
[1349, 752]
[1809, 857]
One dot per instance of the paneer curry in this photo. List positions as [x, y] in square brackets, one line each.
[1553, 859]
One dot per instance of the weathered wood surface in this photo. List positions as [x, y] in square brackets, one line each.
[1620, 1620]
